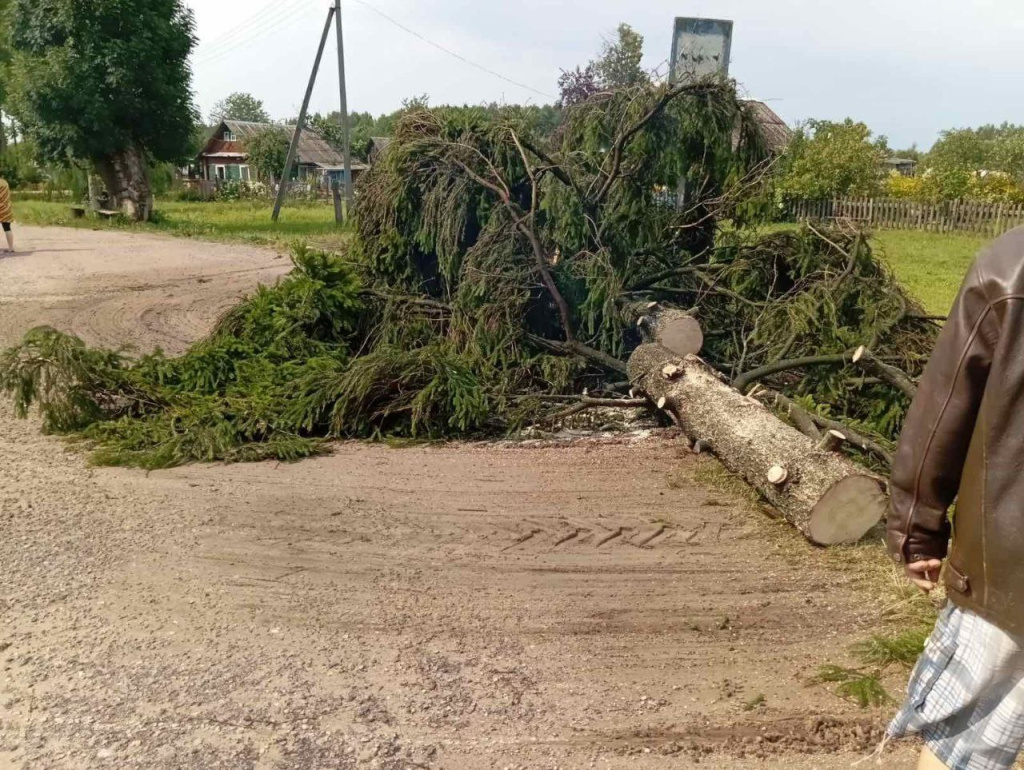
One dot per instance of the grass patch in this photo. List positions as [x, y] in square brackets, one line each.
[240, 221]
[931, 265]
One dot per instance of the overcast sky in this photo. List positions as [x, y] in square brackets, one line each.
[908, 68]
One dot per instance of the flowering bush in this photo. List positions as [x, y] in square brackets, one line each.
[932, 185]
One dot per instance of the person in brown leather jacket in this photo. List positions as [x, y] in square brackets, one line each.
[964, 438]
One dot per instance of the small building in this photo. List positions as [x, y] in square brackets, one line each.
[777, 134]
[224, 157]
[376, 147]
[902, 166]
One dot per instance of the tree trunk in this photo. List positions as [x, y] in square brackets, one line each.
[673, 329]
[826, 496]
[126, 176]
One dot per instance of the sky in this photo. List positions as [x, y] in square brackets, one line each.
[907, 68]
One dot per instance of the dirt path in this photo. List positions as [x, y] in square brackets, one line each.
[446, 607]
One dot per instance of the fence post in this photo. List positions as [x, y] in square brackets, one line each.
[336, 194]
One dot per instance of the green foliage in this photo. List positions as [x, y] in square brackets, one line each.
[242, 393]
[619, 64]
[495, 268]
[903, 650]
[827, 159]
[863, 688]
[240, 106]
[268, 152]
[92, 78]
[879, 653]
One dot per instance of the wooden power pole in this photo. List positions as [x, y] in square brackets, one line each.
[346, 145]
[294, 147]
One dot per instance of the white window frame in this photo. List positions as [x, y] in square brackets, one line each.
[229, 136]
[244, 173]
[217, 172]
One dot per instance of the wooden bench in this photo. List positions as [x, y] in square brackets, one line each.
[107, 213]
[78, 212]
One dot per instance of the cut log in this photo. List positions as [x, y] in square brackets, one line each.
[674, 329]
[827, 497]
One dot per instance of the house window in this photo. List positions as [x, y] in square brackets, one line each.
[229, 135]
[245, 174]
[220, 172]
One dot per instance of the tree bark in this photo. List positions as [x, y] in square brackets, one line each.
[826, 496]
[126, 175]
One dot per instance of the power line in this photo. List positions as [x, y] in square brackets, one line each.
[283, 17]
[241, 28]
[448, 51]
[286, 17]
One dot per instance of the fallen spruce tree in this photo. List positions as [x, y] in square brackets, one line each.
[495, 276]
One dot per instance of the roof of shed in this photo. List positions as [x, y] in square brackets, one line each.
[776, 133]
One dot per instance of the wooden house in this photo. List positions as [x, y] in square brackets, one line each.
[224, 157]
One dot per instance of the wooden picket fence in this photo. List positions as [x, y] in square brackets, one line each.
[988, 219]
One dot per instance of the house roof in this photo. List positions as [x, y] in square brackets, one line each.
[776, 133]
[377, 146]
[313, 148]
[901, 161]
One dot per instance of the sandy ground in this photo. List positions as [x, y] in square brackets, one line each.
[465, 606]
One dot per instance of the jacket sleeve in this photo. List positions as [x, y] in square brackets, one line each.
[939, 427]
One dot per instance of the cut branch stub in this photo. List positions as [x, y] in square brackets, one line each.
[671, 371]
[832, 441]
[866, 360]
[826, 496]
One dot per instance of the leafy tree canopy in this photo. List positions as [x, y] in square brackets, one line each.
[617, 67]
[827, 159]
[92, 78]
[240, 106]
[268, 151]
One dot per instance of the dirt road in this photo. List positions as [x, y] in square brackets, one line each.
[465, 606]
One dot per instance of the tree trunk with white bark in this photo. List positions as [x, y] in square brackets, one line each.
[827, 497]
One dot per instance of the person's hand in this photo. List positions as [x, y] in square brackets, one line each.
[924, 574]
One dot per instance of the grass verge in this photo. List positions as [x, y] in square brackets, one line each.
[241, 221]
[931, 265]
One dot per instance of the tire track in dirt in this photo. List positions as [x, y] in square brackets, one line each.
[460, 606]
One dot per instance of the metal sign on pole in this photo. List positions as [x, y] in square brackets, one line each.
[346, 146]
[700, 48]
[293, 148]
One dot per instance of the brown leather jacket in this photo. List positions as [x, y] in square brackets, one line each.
[964, 435]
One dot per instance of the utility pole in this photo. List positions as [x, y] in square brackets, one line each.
[294, 147]
[346, 146]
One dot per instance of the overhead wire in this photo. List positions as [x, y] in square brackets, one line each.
[277, 17]
[240, 29]
[286, 16]
[448, 51]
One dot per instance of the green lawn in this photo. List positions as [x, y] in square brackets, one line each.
[245, 221]
[930, 265]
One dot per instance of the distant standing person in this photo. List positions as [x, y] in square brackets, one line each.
[6, 214]
[964, 438]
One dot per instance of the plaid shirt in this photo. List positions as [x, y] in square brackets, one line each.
[966, 695]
